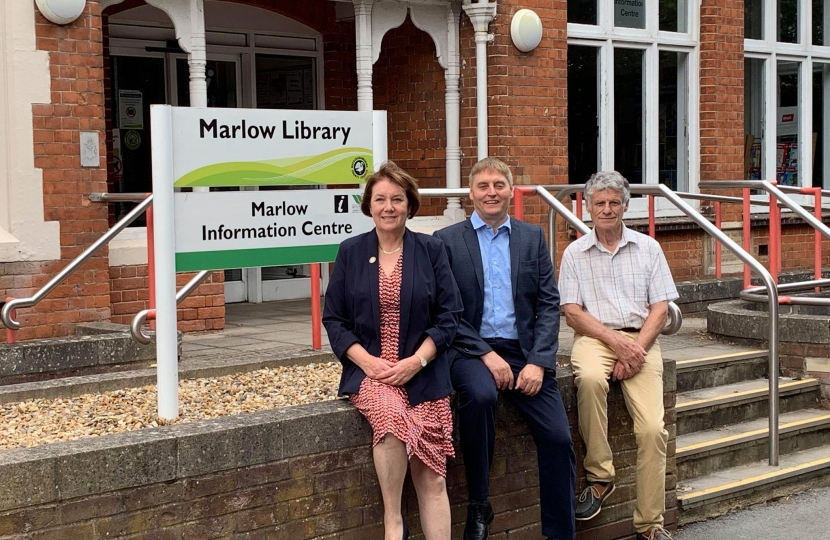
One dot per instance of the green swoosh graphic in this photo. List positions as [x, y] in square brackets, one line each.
[334, 167]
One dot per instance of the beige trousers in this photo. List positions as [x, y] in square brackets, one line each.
[592, 363]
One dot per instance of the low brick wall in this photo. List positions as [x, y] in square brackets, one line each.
[203, 310]
[295, 473]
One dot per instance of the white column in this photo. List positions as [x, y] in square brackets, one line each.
[197, 55]
[189, 22]
[167, 372]
[452, 104]
[363, 39]
[480, 15]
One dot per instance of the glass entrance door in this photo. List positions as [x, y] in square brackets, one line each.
[283, 82]
[223, 88]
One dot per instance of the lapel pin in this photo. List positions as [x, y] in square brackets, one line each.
[372, 260]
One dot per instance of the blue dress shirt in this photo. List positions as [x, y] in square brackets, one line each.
[499, 317]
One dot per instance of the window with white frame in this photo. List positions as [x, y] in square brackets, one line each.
[631, 106]
[787, 91]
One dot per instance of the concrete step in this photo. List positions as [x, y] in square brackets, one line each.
[705, 452]
[721, 369]
[710, 408]
[718, 493]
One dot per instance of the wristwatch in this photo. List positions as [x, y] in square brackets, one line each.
[422, 359]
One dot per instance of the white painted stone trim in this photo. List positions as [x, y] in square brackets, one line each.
[24, 80]
[129, 248]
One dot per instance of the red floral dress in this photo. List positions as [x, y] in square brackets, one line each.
[426, 428]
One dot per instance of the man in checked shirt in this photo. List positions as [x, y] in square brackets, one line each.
[615, 286]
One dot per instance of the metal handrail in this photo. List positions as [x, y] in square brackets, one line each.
[6, 314]
[117, 197]
[769, 285]
[779, 195]
[138, 320]
[753, 293]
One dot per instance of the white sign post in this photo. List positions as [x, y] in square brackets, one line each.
[203, 148]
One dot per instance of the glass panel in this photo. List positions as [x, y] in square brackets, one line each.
[673, 148]
[786, 162]
[138, 82]
[673, 15]
[754, 19]
[284, 82]
[234, 274]
[630, 13]
[221, 83]
[788, 21]
[754, 119]
[821, 84]
[582, 11]
[628, 114]
[583, 111]
[818, 22]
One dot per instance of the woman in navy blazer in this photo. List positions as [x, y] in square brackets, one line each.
[392, 310]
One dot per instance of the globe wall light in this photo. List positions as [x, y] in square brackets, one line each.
[61, 11]
[526, 30]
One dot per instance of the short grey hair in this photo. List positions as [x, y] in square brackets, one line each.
[608, 180]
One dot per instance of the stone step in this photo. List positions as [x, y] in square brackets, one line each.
[715, 494]
[99, 349]
[710, 408]
[721, 369]
[705, 452]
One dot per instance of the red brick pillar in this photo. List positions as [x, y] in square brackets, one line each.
[721, 90]
[527, 100]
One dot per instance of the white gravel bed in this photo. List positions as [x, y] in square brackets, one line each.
[39, 421]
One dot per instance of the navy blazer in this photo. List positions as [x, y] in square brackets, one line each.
[535, 296]
[430, 306]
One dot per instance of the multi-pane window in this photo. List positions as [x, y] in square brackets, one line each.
[631, 106]
[786, 87]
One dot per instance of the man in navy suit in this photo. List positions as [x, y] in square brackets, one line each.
[507, 341]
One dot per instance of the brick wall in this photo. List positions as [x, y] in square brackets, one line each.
[76, 105]
[408, 83]
[299, 472]
[204, 309]
[527, 99]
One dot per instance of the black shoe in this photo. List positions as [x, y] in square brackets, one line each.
[654, 533]
[479, 516]
[590, 500]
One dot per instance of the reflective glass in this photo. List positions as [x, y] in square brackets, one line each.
[628, 113]
[788, 21]
[788, 150]
[583, 113]
[582, 11]
[630, 13]
[754, 119]
[754, 19]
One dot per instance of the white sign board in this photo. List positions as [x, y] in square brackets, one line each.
[249, 147]
[207, 230]
[237, 229]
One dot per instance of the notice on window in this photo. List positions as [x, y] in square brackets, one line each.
[130, 109]
[630, 13]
